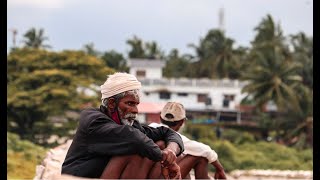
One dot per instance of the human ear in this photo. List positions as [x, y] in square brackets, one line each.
[111, 104]
[180, 124]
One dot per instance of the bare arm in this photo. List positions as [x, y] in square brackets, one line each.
[220, 174]
[169, 167]
[169, 154]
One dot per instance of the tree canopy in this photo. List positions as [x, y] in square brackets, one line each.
[43, 83]
[278, 75]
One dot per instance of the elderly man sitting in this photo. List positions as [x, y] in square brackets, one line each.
[109, 143]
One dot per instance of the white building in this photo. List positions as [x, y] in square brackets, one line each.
[194, 94]
[143, 68]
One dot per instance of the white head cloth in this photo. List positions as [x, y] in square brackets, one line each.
[118, 83]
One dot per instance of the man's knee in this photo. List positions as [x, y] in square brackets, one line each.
[126, 166]
[203, 160]
[124, 158]
[133, 159]
[192, 159]
[200, 160]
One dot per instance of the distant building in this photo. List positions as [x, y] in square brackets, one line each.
[200, 96]
[143, 68]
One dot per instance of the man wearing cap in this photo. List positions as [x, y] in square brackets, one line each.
[196, 155]
[109, 143]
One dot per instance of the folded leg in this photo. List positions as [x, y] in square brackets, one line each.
[199, 164]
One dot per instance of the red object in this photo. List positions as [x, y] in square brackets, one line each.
[150, 108]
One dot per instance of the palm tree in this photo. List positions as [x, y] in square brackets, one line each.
[273, 76]
[224, 58]
[273, 79]
[303, 130]
[114, 60]
[303, 53]
[269, 34]
[35, 39]
[90, 50]
[176, 65]
[215, 54]
[137, 50]
[153, 51]
[239, 62]
[301, 123]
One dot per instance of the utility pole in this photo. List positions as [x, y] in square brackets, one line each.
[14, 33]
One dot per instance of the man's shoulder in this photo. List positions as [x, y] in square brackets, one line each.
[92, 113]
[154, 125]
[90, 109]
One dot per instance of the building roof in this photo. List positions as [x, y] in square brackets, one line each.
[148, 107]
[157, 63]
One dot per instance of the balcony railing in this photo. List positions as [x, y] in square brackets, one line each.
[192, 82]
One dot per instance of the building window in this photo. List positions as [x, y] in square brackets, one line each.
[146, 93]
[208, 101]
[225, 103]
[202, 97]
[164, 95]
[182, 94]
[226, 100]
[230, 97]
[141, 73]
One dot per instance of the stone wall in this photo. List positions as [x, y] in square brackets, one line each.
[51, 165]
[50, 169]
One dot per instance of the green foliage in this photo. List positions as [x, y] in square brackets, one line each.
[226, 154]
[303, 53]
[274, 75]
[153, 50]
[216, 56]
[237, 137]
[137, 50]
[197, 132]
[22, 157]
[43, 83]
[90, 50]
[115, 60]
[240, 150]
[283, 77]
[176, 66]
[140, 49]
[35, 39]
[261, 155]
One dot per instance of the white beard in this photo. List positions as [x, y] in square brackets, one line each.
[127, 122]
[128, 119]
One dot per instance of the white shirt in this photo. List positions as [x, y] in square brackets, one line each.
[193, 147]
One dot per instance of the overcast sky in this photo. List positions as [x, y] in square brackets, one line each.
[70, 24]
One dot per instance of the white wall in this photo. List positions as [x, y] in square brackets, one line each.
[216, 93]
[189, 102]
[152, 73]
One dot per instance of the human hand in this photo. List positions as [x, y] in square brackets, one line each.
[168, 157]
[171, 171]
[220, 174]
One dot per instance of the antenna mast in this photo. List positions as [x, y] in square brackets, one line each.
[221, 19]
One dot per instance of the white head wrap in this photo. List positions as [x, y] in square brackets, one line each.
[118, 83]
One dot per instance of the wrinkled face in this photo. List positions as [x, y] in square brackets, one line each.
[128, 107]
